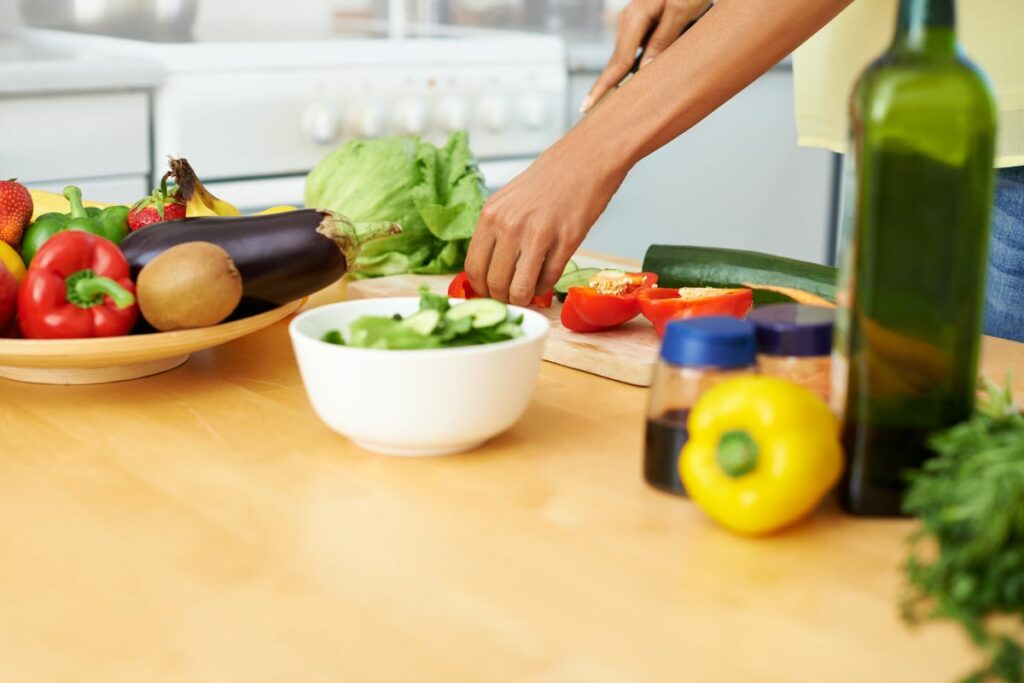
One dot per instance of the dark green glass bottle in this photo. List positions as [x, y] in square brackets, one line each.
[912, 280]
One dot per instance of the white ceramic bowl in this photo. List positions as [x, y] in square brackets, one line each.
[428, 402]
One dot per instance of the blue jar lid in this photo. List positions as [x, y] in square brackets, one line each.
[793, 329]
[717, 342]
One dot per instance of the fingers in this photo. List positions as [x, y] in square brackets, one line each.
[673, 20]
[677, 15]
[503, 267]
[481, 248]
[554, 266]
[528, 271]
[633, 25]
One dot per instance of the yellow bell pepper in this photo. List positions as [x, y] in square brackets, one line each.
[761, 454]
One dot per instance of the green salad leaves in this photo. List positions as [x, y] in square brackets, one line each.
[437, 324]
[970, 502]
[434, 193]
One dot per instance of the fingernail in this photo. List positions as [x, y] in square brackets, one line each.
[588, 102]
[646, 62]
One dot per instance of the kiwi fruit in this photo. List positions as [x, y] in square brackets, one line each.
[195, 284]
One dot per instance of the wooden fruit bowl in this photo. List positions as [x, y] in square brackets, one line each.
[113, 359]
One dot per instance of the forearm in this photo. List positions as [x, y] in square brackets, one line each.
[733, 45]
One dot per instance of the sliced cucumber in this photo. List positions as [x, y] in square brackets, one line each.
[570, 267]
[580, 277]
[576, 278]
[424, 322]
[510, 329]
[484, 312]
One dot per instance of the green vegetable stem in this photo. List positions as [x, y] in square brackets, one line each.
[970, 503]
[111, 223]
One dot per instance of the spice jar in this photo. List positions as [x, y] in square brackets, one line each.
[695, 355]
[794, 342]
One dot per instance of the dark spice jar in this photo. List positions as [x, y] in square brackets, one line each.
[794, 342]
[695, 355]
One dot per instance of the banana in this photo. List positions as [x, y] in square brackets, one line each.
[276, 209]
[49, 202]
[198, 200]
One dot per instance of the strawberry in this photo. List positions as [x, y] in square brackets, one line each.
[162, 205]
[15, 211]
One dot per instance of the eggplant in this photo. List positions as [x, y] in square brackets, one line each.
[281, 257]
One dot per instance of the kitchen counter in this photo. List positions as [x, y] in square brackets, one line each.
[203, 525]
[27, 67]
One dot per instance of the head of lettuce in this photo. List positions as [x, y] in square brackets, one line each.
[434, 193]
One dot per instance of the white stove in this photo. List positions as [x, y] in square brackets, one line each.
[254, 111]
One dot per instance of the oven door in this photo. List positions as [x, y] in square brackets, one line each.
[257, 194]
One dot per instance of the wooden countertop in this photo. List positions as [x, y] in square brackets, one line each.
[203, 525]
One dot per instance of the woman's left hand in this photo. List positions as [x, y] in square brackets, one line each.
[530, 229]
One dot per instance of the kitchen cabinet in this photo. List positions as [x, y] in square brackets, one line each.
[97, 140]
[737, 179]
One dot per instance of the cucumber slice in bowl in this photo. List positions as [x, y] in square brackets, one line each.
[484, 312]
[424, 322]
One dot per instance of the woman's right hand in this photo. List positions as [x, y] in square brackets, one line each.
[667, 18]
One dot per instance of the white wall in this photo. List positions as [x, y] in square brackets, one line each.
[213, 12]
[8, 12]
[737, 180]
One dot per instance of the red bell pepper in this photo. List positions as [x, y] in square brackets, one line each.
[662, 305]
[460, 288]
[8, 300]
[591, 309]
[77, 287]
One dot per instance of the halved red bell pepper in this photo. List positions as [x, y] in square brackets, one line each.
[589, 309]
[460, 288]
[662, 305]
[77, 287]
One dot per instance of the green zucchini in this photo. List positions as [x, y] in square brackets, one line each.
[772, 278]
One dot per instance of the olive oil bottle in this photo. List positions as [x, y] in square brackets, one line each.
[913, 274]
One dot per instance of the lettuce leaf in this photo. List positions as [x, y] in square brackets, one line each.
[435, 195]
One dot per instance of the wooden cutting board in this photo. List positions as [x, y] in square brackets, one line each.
[625, 354]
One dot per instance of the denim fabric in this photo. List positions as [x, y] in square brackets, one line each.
[1004, 298]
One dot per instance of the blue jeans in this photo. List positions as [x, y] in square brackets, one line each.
[1004, 298]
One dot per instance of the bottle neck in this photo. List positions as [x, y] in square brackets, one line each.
[926, 27]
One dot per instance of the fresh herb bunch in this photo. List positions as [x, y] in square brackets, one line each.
[970, 502]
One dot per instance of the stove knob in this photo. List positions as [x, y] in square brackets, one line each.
[411, 118]
[533, 111]
[365, 121]
[492, 113]
[451, 114]
[321, 124]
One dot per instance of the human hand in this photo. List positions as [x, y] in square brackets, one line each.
[530, 229]
[662, 20]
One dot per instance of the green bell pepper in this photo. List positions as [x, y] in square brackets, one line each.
[111, 223]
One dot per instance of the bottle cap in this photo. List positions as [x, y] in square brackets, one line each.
[717, 342]
[793, 329]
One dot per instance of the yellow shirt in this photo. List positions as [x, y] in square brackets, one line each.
[828, 65]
